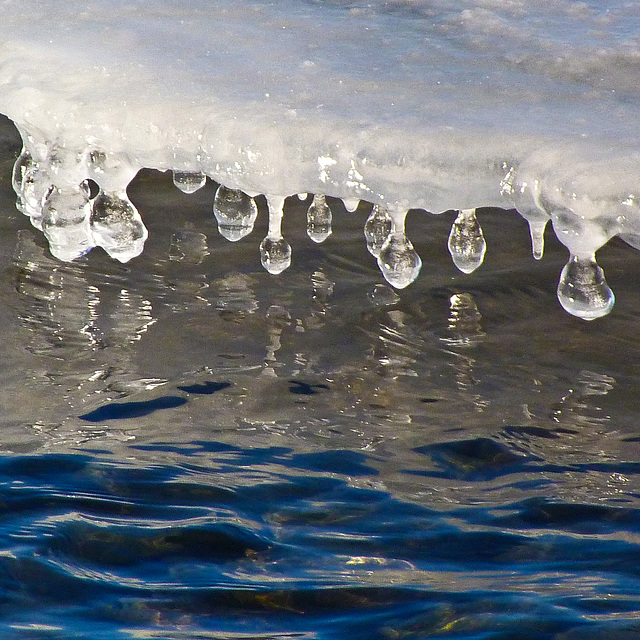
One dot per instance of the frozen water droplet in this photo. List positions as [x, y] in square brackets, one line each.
[275, 254]
[351, 204]
[377, 229]
[65, 223]
[275, 251]
[319, 219]
[466, 242]
[398, 261]
[235, 211]
[302, 196]
[189, 181]
[536, 229]
[117, 226]
[582, 290]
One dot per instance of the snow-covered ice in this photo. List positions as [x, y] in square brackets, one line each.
[406, 104]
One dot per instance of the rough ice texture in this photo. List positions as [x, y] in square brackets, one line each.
[421, 103]
[409, 103]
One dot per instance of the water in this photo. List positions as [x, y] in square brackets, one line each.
[194, 448]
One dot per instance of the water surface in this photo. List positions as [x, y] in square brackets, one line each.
[193, 448]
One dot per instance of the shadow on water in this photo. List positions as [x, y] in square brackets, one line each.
[193, 448]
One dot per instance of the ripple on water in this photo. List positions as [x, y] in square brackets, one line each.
[204, 547]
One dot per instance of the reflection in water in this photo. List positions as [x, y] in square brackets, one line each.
[193, 446]
[579, 408]
[278, 318]
[188, 246]
[465, 321]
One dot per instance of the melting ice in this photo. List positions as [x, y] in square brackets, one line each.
[421, 104]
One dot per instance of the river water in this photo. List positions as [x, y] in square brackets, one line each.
[193, 448]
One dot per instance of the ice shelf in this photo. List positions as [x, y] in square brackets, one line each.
[402, 103]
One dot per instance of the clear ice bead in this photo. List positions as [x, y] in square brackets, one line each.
[319, 219]
[275, 254]
[189, 181]
[583, 290]
[117, 226]
[351, 204]
[466, 242]
[377, 229]
[236, 213]
[398, 261]
[65, 223]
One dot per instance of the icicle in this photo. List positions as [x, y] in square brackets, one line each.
[466, 241]
[189, 181]
[275, 251]
[319, 219]
[398, 260]
[536, 230]
[377, 229]
[117, 226]
[524, 193]
[236, 213]
[582, 290]
[65, 222]
[351, 204]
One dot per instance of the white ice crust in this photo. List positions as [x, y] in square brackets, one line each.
[405, 103]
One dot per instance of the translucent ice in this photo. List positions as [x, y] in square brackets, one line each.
[189, 181]
[524, 193]
[117, 226]
[65, 222]
[377, 229]
[342, 99]
[235, 211]
[466, 241]
[319, 219]
[398, 261]
[582, 289]
[275, 251]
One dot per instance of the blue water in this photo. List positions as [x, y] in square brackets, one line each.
[192, 448]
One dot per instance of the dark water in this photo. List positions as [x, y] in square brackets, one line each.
[192, 448]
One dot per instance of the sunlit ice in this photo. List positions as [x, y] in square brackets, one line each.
[405, 105]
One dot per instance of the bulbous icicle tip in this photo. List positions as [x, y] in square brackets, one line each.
[583, 290]
[65, 223]
[319, 219]
[398, 261]
[275, 254]
[117, 226]
[189, 181]
[235, 212]
[466, 242]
